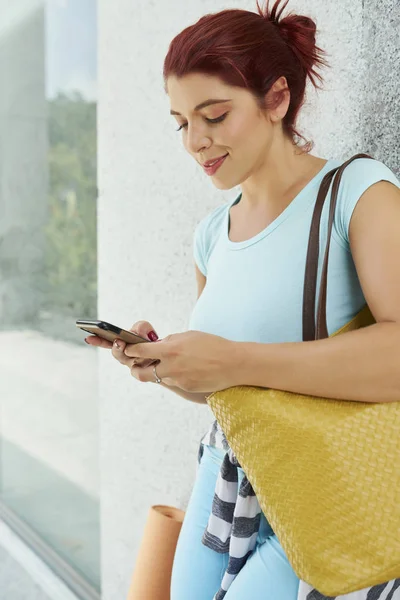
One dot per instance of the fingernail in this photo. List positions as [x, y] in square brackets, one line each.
[117, 345]
[153, 336]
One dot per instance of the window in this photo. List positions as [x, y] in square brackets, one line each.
[49, 474]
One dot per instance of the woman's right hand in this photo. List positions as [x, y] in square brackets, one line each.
[143, 329]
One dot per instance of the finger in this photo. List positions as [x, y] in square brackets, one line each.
[119, 354]
[95, 340]
[154, 351]
[147, 375]
[145, 362]
[142, 362]
[145, 330]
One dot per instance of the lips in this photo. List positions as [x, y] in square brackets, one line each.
[209, 163]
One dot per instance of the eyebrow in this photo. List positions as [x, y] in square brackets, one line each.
[202, 105]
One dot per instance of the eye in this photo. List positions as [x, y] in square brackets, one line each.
[218, 120]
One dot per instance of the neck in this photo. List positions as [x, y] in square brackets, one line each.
[279, 177]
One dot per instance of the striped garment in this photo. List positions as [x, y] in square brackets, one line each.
[234, 523]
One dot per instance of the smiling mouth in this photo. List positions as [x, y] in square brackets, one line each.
[211, 163]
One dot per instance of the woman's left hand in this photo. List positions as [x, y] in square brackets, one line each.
[193, 361]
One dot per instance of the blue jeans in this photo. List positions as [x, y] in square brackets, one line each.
[197, 570]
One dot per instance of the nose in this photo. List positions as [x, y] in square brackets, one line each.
[197, 141]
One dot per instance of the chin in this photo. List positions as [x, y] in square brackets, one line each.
[222, 185]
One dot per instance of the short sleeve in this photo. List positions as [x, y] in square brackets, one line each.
[356, 179]
[199, 247]
[206, 235]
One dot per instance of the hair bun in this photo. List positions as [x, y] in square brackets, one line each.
[299, 32]
[293, 26]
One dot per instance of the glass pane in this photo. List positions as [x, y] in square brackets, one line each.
[49, 473]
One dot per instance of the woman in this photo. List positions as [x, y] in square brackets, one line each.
[236, 81]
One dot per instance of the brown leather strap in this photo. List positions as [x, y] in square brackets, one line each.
[310, 331]
[310, 278]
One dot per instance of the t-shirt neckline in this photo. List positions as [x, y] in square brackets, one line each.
[297, 200]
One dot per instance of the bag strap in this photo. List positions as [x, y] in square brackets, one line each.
[310, 331]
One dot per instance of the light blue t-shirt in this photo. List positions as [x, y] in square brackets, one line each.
[254, 288]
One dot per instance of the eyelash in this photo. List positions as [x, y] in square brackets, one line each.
[214, 121]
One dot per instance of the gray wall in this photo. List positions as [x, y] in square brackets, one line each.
[152, 194]
[23, 164]
[381, 91]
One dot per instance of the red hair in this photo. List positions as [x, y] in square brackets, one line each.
[252, 51]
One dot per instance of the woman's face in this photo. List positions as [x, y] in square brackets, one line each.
[240, 129]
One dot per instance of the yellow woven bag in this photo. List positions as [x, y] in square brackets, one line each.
[326, 472]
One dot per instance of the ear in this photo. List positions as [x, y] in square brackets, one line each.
[279, 98]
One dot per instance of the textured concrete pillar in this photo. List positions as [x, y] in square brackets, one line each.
[151, 197]
[23, 162]
[381, 90]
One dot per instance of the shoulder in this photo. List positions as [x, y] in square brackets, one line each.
[363, 172]
[357, 178]
[208, 224]
[206, 233]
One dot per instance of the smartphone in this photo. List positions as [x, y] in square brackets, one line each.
[109, 332]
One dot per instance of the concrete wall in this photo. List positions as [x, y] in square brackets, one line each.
[152, 194]
[381, 81]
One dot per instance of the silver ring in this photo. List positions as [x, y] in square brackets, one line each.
[158, 380]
